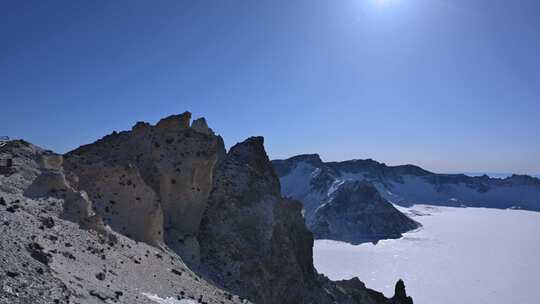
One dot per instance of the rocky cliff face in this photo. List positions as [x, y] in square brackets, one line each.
[55, 249]
[119, 219]
[152, 183]
[356, 213]
[255, 243]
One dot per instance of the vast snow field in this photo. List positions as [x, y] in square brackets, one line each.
[461, 255]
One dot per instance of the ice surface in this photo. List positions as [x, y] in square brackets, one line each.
[461, 255]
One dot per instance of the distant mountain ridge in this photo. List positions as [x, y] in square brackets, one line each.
[409, 184]
[491, 174]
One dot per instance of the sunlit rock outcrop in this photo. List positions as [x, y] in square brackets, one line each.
[152, 183]
[158, 212]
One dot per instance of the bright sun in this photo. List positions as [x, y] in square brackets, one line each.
[383, 3]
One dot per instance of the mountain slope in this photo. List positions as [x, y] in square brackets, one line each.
[356, 213]
[55, 249]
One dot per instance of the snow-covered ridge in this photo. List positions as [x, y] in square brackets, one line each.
[168, 300]
[408, 184]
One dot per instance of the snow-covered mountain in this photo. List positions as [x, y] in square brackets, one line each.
[309, 179]
[339, 205]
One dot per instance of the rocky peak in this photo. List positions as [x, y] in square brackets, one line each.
[400, 295]
[238, 225]
[201, 126]
[255, 243]
[250, 157]
[521, 179]
[174, 123]
[250, 151]
[152, 183]
[357, 213]
[284, 166]
[141, 127]
[314, 158]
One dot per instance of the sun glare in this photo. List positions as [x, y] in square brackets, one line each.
[383, 3]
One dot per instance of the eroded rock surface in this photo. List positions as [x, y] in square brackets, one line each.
[152, 183]
[50, 254]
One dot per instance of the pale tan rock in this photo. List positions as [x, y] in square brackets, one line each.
[141, 127]
[174, 122]
[40, 176]
[51, 161]
[124, 201]
[48, 183]
[172, 167]
[51, 260]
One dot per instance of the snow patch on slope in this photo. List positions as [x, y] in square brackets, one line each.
[335, 185]
[168, 300]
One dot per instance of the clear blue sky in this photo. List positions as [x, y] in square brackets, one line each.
[448, 85]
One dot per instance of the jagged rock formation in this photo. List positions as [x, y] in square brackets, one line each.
[400, 295]
[337, 206]
[406, 184]
[54, 249]
[115, 221]
[356, 213]
[251, 241]
[255, 243]
[152, 183]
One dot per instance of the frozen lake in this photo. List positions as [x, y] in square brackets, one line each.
[461, 255]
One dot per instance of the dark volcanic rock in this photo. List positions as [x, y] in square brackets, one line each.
[400, 295]
[239, 231]
[255, 243]
[357, 213]
[36, 252]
